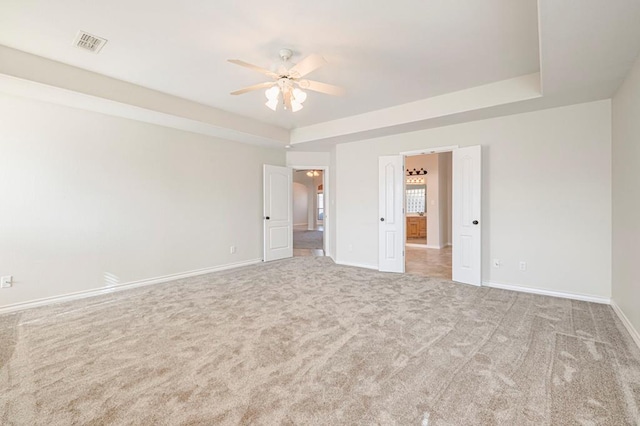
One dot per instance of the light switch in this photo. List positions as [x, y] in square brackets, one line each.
[6, 281]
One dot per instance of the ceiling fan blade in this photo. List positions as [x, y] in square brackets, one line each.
[254, 67]
[317, 86]
[254, 87]
[307, 65]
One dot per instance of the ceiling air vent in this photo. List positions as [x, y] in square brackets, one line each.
[89, 42]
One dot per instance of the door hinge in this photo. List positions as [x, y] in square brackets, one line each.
[402, 253]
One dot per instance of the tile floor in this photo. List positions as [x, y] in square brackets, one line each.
[417, 241]
[308, 252]
[428, 262]
[419, 260]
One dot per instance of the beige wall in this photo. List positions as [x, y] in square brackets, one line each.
[300, 204]
[626, 197]
[85, 194]
[546, 195]
[446, 187]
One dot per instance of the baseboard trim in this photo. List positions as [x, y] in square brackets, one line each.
[416, 245]
[563, 295]
[627, 324]
[357, 265]
[125, 286]
[425, 246]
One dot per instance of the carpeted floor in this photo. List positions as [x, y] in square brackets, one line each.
[306, 342]
[303, 239]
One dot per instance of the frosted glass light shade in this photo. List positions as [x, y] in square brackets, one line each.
[272, 93]
[272, 103]
[299, 95]
[295, 105]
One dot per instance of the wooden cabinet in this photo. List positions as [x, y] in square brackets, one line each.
[416, 226]
[423, 227]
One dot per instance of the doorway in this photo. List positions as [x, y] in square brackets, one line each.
[466, 203]
[428, 215]
[308, 212]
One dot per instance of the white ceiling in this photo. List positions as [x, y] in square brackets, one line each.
[406, 65]
[384, 53]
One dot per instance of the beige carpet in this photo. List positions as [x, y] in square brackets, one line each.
[306, 342]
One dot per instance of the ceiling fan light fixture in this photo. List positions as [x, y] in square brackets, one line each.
[272, 103]
[272, 93]
[287, 80]
[299, 95]
[295, 105]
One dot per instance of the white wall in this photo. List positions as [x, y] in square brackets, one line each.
[300, 204]
[546, 195]
[310, 159]
[301, 178]
[85, 194]
[626, 196]
[330, 206]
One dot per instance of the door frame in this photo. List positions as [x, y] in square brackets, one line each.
[435, 150]
[327, 222]
[415, 153]
[427, 151]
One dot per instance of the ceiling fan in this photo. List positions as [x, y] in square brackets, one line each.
[287, 80]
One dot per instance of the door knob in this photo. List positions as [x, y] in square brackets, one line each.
[475, 222]
[267, 217]
[382, 219]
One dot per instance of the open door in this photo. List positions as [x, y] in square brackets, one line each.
[278, 214]
[391, 214]
[466, 229]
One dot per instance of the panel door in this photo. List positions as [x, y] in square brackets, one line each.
[467, 224]
[391, 237]
[278, 212]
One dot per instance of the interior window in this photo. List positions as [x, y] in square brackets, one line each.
[416, 199]
[320, 206]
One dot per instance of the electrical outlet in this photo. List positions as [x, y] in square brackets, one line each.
[350, 247]
[523, 266]
[232, 249]
[6, 281]
[496, 263]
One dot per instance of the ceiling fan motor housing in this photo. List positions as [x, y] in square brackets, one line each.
[285, 54]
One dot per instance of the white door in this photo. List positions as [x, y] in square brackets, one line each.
[467, 224]
[391, 214]
[278, 213]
